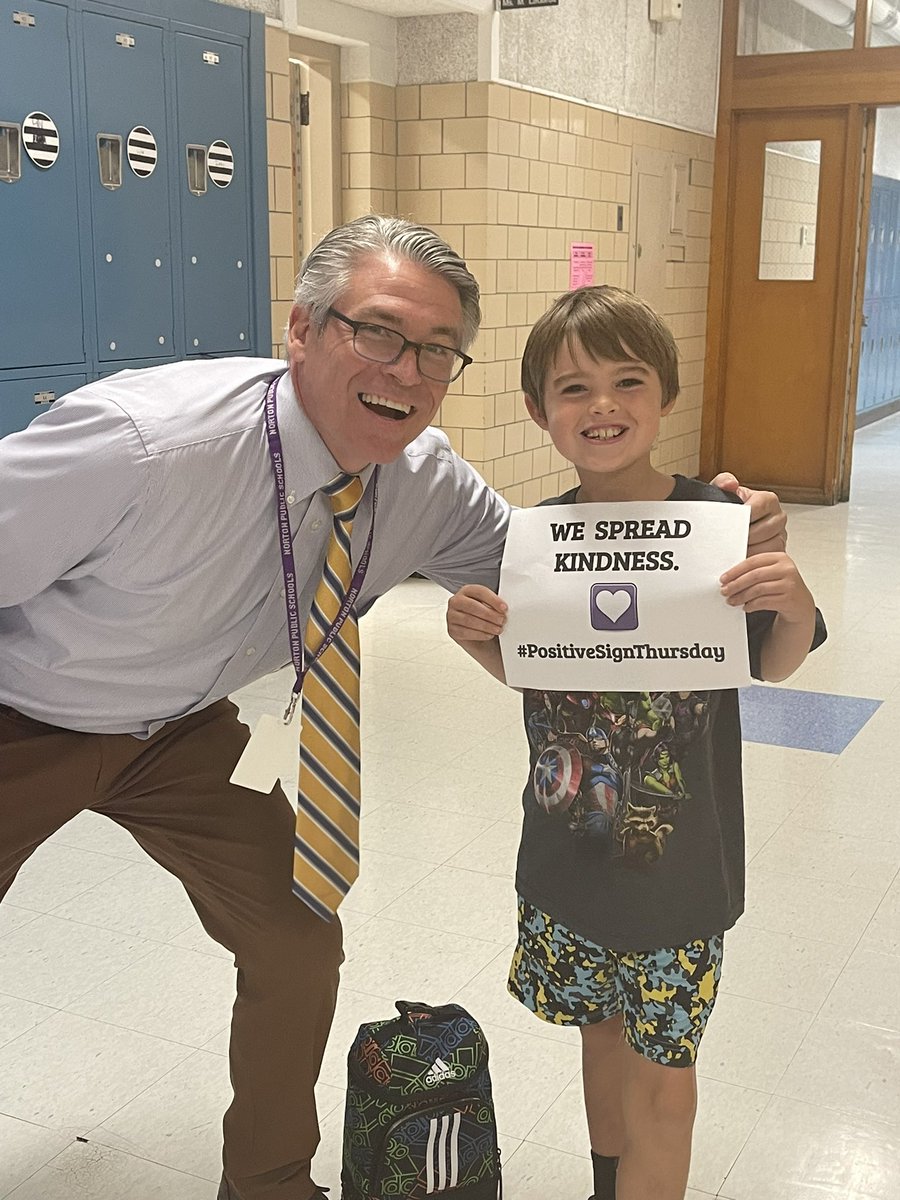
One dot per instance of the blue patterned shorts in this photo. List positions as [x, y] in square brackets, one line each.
[665, 996]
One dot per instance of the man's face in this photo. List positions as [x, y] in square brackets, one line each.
[343, 394]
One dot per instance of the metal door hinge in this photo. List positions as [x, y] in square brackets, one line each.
[304, 108]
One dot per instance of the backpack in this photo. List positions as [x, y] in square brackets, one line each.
[419, 1119]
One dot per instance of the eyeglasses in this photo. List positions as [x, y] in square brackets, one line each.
[379, 344]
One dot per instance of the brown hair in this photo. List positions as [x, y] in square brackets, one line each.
[606, 322]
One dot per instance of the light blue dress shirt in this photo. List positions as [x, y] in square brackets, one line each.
[140, 575]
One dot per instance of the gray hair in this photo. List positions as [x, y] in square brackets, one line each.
[327, 269]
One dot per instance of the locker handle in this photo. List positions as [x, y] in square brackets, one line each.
[10, 152]
[109, 154]
[196, 170]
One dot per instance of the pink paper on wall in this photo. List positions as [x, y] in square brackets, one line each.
[581, 265]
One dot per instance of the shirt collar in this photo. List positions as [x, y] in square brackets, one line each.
[308, 462]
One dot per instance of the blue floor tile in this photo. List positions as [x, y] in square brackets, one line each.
[803, 720]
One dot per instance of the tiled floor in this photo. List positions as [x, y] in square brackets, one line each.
[114, 1007]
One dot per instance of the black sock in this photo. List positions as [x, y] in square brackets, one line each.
[604, 1176]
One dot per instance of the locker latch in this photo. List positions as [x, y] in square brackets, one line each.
[25, 19]
[124, 39]
[210, 57]
[10, 152]
[109, 155]
[44, 397]
[196, 169]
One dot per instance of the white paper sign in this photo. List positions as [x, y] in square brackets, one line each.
[624, 597]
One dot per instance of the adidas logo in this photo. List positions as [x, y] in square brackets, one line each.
[439, 1071]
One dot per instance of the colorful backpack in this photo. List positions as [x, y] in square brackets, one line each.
[419, 1118]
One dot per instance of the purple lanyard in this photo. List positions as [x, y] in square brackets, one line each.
[298, 656]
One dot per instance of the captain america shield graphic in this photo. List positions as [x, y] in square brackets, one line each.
[557, 778]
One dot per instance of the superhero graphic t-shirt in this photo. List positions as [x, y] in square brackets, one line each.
[633, 833]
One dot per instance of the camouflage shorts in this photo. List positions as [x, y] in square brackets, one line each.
[665, 996]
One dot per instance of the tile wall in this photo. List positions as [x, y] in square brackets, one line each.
[511, 178]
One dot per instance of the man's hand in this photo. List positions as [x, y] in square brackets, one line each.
[768, 520]
[475, 614]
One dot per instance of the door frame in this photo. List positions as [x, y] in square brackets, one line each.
[856, 80]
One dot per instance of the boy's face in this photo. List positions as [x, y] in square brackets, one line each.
[603, 416]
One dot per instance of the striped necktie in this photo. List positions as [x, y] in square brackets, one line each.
[326, 846]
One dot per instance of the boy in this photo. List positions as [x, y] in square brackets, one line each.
[621, 916]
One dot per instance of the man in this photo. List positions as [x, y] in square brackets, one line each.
[140, 585]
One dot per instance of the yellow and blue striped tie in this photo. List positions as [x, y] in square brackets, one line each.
[326, 846]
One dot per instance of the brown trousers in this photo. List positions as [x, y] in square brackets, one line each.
[232, 850]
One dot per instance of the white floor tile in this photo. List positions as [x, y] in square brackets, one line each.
[94, 1172]
[24, 1149]
[407, 962]
[749, 1043]
[849, 1066]
[177, 1121]
[18, 1016]
[779, 968]
[56, 874]
[69, 1073]
[726, 1116]
[468, 903]
[804, 1152]
[425, 834]
[536, 1173]
[808, 908]
[171, 993]
[95, 832]
[487, 998]
[383, 878]
[143, 901]
[11, 917]
[55, 961]
[528, 1076]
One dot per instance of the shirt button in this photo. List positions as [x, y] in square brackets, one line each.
[250, 651]
[291, 498]
[317, 524]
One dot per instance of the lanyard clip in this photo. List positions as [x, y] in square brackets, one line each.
[292, 705]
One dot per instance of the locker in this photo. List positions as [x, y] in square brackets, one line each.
[214, 193]
[21, 400]
[120, 249]
[42, 310]
[132, 244]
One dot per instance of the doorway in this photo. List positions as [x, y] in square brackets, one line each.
[779, 379]
[316, 122]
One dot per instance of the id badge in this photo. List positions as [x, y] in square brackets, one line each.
[273, 751]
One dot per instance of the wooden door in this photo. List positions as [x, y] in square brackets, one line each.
[778, 364]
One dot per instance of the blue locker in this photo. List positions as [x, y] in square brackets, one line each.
[114, 255]
[21, 400]
[42, 302]
[125, 94]
[215, 194]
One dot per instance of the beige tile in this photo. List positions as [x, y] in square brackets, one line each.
[406, 103]
[423, 206]
[443, 100]
[477, 99]
[277, 51]
[419, 137]
[278, 139]
[466, 135]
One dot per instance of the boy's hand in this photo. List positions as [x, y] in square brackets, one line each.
[769, 582]
[768, 520]
[475, 614]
